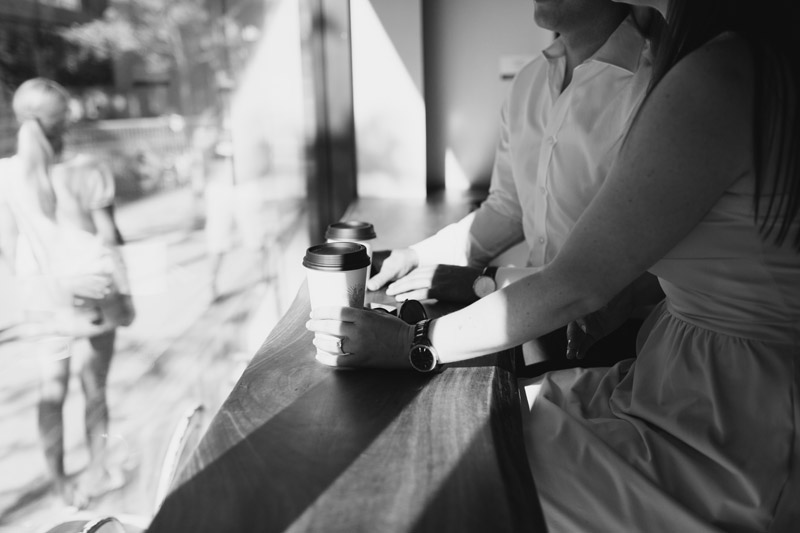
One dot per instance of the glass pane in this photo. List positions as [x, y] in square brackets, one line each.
[196, 108]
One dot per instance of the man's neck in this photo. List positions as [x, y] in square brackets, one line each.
[581, 43]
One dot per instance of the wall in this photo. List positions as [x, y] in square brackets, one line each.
[466, 40]
[402, 22]
[387, 92]
[428, 88]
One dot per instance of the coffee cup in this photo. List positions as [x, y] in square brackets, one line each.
[352, 231]
[337, 276]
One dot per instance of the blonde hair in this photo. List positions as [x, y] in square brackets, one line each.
[34, 102]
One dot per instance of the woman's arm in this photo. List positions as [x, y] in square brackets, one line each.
[8, 237]
[692, 140]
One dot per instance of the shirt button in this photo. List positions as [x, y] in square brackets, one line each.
[542, 190]
[552, 139]
[541, 240]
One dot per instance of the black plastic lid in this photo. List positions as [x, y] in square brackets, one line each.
[353, 230]
[336, 256]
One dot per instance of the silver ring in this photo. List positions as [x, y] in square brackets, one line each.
[340, 345]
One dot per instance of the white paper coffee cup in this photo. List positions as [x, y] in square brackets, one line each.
[352, 231]
[337, 276]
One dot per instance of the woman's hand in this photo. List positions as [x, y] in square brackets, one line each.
[369, 338]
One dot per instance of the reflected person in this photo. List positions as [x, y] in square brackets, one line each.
[60, 237]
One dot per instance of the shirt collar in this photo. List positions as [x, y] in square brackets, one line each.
[623, 48]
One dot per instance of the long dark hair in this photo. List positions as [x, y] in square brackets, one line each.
[771, 28]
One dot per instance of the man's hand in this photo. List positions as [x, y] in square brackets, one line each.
[582, 334]
[637, 297]
[447, 283]
[399, 263]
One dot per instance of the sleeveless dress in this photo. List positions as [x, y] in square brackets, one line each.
[700, 432]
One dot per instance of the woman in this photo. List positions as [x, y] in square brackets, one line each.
[61, 239]
[700, 432]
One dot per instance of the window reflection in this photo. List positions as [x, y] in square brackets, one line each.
[197, 107]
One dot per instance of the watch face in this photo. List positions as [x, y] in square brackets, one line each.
[422, 358]
[484, 285]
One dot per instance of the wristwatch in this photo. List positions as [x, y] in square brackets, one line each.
[485, 284]
[422, 355]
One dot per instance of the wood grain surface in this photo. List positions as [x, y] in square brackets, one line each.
[298, 446]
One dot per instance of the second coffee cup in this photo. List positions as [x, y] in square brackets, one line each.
[352, 231]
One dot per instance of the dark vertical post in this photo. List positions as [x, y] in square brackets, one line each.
[330, 145]
[433, 24]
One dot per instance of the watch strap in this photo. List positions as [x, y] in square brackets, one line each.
[421, 339]
[490, 272]
[421, 332]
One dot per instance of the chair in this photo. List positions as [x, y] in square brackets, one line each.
[84, 524]
[184, 439]
[107, 524]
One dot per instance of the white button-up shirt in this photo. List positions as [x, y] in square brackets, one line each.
[554, 152]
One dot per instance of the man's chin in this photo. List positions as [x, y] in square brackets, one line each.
[543, 21]
[543, 15]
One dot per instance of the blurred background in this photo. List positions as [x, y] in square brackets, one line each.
[290, 110]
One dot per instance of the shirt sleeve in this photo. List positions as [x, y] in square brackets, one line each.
[448, 246]
[488, 231]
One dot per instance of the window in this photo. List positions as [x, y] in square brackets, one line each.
[201, 116]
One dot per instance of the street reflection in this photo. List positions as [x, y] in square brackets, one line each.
[198, 109]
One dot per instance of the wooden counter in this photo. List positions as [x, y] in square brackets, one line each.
[300, 447]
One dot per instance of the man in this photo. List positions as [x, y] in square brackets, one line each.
[561, 126]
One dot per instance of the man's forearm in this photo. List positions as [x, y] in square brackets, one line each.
[448, 246]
